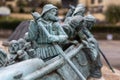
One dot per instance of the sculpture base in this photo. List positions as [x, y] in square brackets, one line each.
[108, 74]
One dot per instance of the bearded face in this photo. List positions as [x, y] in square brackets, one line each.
[51, 15]
[53, 12]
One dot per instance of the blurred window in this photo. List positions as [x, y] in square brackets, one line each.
[92, 1]
[66, 3]
[100, 1]
[9, 0]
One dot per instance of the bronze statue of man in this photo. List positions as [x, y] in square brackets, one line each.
[46, 31]
[93, 48]
[79, 26]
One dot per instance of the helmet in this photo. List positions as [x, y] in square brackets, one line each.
[47, 7]
[13, 42]
[21, 40]
[79, 8]
[90, 18]
[76, 21]
[90, 21]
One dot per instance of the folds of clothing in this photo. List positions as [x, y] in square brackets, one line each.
[36, 33]
[45, 47]
[45, 51]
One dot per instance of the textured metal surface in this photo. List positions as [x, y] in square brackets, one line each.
[20, 69]
[51, 67]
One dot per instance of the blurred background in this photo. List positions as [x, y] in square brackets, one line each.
[106, 30]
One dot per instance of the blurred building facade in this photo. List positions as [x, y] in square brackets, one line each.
[11, 3]
[92, 5]
[98, 5]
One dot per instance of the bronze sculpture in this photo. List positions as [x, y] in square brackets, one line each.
[46, 42]
[45, 39]
[80, 26]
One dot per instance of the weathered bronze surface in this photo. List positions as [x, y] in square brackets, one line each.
[65, 51]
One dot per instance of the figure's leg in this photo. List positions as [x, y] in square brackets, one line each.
[96, 68]
[95, 63]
